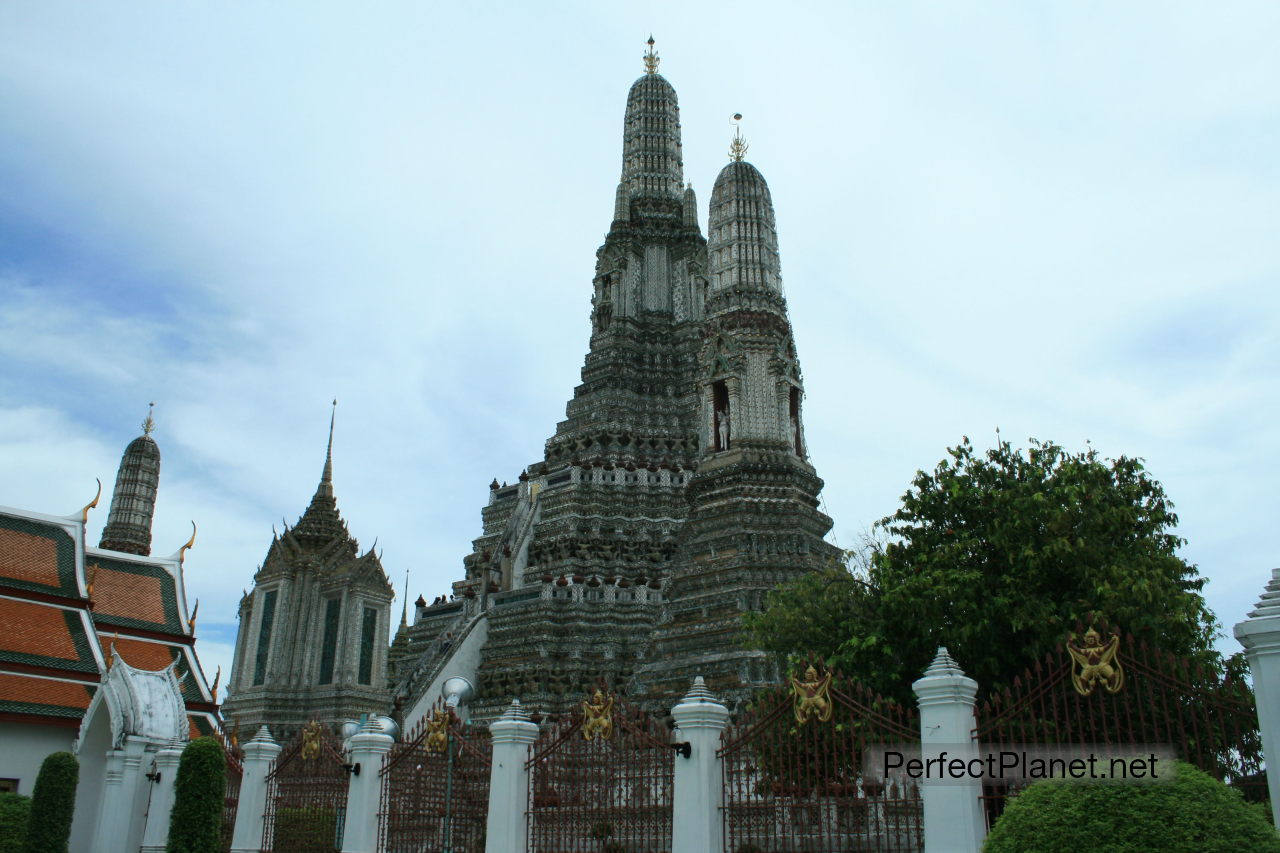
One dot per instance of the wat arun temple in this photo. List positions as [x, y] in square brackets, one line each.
[672, 498]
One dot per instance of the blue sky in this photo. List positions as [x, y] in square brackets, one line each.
[1056, 219]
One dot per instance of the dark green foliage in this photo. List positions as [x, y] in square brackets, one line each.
[1193, 813]
[15, 810]
[53, 802]
[996, 555]
[307, 829]
[195, 824]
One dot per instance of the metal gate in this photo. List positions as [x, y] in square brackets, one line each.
[1100, 688]
[797, 775]
[601, 781]
[435, 788]
[307, 794]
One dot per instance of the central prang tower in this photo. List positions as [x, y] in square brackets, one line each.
[676, 491]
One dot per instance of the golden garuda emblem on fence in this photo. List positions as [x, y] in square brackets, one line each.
[1095, 663]
[598, 714]
[311, 740]
[812, 696]
[437, 739]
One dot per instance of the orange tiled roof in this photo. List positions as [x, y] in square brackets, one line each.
[139, 654]
[37, 630]
[28, 557]
[25, 694]
[117, 593]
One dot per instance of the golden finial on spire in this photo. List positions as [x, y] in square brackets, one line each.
[149, 425]
[738, 147]
[651, 59]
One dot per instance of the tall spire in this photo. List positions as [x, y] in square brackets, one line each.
[326, 476]
[742, 237]
[753, 521]
[133, 502]
[404, 609]
[649, 285]
[321, 522]
[652, 160]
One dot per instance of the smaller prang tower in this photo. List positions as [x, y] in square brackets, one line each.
[133, 502]
[753, 520]
[313, 631]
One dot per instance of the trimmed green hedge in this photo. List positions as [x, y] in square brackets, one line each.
[15, 811]
[53, 802]
[308, 829]
[1192, 813]
[195, 824]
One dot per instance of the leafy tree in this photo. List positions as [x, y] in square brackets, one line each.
[53, 803]
[1192, 813]
[997, 555]
[195, 824]
[15, 810]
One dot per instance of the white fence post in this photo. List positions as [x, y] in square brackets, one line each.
[511, 734]
[155, 837]
[364, 789]
[953, 817]
[698, 786]
[1260, 636]
[259, 753]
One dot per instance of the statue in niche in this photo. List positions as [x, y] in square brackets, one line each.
[722, 425]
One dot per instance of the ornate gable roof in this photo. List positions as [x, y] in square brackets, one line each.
[37, 556]
[153, 656]
[42, 635]
[27, 694]
[368, 569]
[320, 541]
[133, 595]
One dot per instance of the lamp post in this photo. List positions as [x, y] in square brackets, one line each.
[448, 791]
[456, 691]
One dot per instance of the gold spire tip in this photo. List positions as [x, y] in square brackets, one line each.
[738, 147]
[149, 425]
[651, 59]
